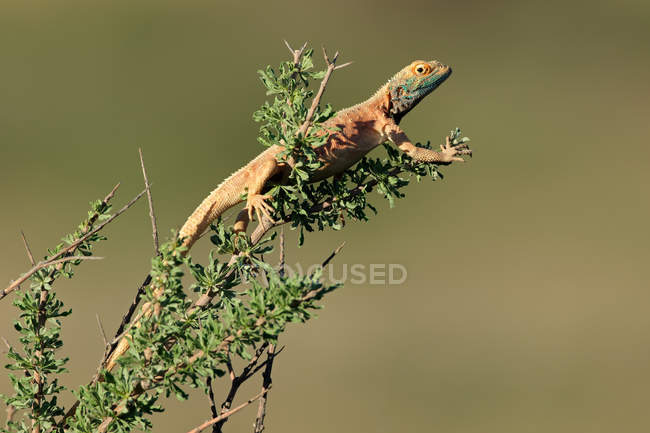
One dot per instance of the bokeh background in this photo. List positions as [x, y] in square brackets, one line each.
[526, 303]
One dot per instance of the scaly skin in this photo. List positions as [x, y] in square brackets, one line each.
[361, 128]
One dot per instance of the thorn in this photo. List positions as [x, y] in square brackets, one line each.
[336, 56]
[101, 330]
[327, 60]
[29, 252]
[288, 46]
[343, 65]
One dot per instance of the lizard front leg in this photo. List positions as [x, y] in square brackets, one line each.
[256, 201]
[448, 153]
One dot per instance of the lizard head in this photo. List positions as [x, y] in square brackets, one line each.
[410, 85]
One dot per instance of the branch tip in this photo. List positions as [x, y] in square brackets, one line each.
[288, 46]
[152, 215]
[29, 251]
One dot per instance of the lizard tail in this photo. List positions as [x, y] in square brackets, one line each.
[222, 198]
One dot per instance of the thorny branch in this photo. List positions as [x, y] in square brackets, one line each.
[236, 382]
[213, 403]
[40, 265]
[73, 246]
[41, 314]
[331, 66]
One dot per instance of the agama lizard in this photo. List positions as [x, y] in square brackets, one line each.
[361, 128]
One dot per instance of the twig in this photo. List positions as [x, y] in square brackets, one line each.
[267, 382]
[119, 337]
[226, 415]
[297, 54]
[331, 256]
[101, 329]
[147, 186]
[331, 65]
[45, 263]
[29, 252]
[213, 403]
[134, 305]
[13, 286]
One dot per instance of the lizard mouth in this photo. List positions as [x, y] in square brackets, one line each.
[439, 76]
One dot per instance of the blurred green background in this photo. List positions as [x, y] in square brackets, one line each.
[526, 303]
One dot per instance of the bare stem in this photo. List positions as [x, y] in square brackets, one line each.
[152, 215]
[331, 65]
[267, 382]
[213, 403]
[226, 415]
[237, 381]
[29, 251]
[281, 265]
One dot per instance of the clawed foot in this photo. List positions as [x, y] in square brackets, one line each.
[450, 152]
[258, 204]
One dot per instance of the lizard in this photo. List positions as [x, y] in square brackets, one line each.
[360, 129]
[355, 131]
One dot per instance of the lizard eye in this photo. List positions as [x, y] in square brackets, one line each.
[422, 69]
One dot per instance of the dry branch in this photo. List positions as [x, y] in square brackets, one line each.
[227, 414]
